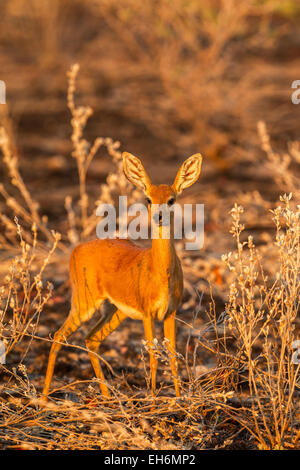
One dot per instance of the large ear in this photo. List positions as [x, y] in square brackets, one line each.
[135, 172]
[188, 173]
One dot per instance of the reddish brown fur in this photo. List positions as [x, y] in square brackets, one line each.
[139, 283]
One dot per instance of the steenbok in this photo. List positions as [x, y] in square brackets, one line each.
[127, 280]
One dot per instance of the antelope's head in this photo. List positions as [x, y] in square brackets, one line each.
[160, 198]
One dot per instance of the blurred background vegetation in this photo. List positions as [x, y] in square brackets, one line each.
[165, 77]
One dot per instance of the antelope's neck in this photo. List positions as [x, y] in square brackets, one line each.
[163, 256]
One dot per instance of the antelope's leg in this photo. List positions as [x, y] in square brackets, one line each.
[106, 325]
[149, 328]
[170, 335]
[70, 326]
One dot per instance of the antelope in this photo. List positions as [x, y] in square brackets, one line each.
[128, 280]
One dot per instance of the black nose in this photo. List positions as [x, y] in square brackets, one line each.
[158, 218]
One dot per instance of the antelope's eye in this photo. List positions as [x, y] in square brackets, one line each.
[171, 201]
[148, 201]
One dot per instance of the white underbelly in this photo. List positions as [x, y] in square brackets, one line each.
[159, 308]
[129, 311]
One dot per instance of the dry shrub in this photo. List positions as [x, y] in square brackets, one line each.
[82, 226]
[186, 61]
[256, 379]
[23, 293]
[81, 219]
[281, 166]
[26, 209]
[261, 316]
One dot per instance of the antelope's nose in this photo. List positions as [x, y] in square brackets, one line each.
[157, 218]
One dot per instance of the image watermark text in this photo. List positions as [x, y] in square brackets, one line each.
[178, 222]
[2, 92]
